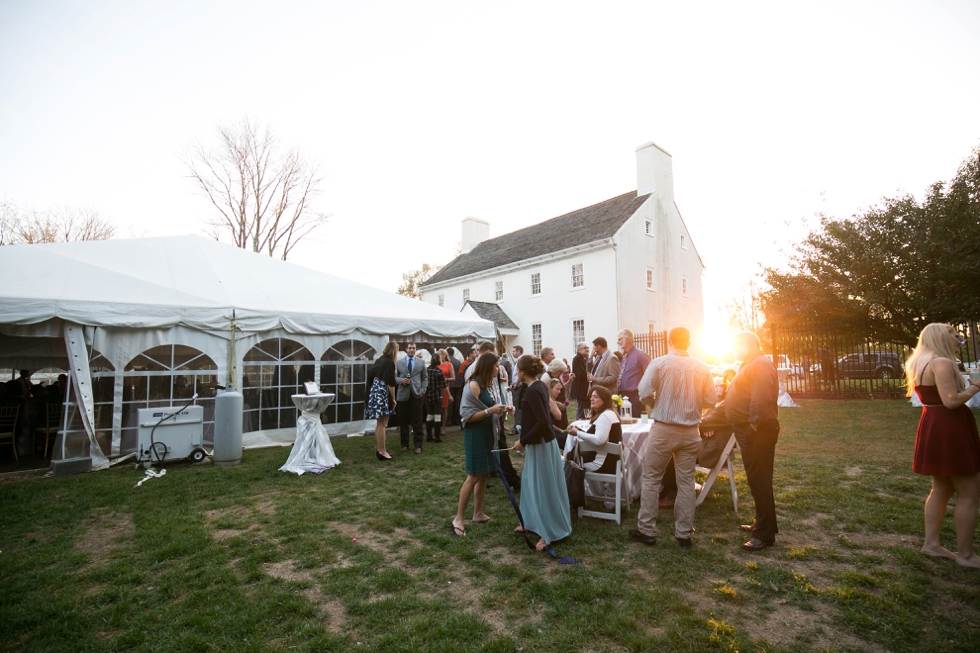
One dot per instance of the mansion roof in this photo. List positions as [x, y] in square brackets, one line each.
[596, 222]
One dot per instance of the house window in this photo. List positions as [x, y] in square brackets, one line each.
[442, 300]
[648, 227]
[578, 333]
[684, 286]
[578, 276]
[499, 291]
[536, 283]
[466, 295]
[536, 339]
[683, 242]
[649, 278]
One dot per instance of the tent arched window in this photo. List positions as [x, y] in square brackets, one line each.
[166, 375]
[273, 371]
[343, 372]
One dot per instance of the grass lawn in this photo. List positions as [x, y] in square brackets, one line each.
[248, 558]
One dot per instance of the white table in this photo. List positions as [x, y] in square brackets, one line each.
[312, 451]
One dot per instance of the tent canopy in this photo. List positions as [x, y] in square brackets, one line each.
[192, 281]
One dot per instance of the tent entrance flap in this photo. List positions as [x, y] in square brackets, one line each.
[81, 378]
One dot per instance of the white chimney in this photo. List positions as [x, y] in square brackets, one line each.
[654, 171]
[475, 231]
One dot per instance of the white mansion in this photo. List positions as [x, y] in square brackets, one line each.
[627, 262]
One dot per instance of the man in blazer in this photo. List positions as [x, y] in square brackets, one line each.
[606, 368]
[411, 381]
[580, 384]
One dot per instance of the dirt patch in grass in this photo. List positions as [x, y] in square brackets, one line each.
[103, 534]
[286, 570]
[853, 471]
[784, 624]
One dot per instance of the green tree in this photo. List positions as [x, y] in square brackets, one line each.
[899, 265]
[412, 279]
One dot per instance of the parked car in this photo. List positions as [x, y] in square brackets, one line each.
[728, 371]
[871, 365]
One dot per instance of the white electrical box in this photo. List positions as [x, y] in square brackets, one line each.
[179, 435]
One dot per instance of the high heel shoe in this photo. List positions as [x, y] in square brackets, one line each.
[381, 457]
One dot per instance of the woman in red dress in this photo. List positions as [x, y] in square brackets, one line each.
[947, 446]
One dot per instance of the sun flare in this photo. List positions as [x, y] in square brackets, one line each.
[716, 342]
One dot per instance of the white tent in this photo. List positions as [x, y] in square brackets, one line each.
[146, 322]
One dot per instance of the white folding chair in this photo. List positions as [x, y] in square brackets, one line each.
[723, 466]
[610, 449]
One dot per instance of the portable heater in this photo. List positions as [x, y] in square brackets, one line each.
[171, 433]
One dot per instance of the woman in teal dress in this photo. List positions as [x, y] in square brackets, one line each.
[476, 407]
[544, 496]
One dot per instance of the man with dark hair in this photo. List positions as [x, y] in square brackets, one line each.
[605, 370]
[752, 409]
[411, 381]
[634, 364]
[580, 384]
[678, 387]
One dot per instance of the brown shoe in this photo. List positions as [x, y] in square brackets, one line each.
[418, 451]
[666, 503]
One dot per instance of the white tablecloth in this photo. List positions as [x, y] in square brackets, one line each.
[312, 451]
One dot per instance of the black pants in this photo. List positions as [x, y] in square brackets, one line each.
[513, 478]
[411, 415]
[758, 453]
[517, 394]
[453, 416]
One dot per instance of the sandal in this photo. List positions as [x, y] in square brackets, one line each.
[540, 546]
[458, 532]
[521, 529]
[482, 521]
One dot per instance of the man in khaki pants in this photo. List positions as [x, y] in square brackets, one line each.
[678, 387]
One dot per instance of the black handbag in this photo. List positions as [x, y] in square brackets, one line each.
[574, 479]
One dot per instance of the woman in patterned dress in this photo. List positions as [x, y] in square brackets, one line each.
[381, 395]
[476, 407]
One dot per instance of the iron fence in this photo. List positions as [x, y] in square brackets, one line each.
[847, 360]
[653, 343]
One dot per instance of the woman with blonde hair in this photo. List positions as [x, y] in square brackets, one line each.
[947, 446]
[381, 395]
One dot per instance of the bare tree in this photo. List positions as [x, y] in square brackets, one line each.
[262, 193]
[63, 224]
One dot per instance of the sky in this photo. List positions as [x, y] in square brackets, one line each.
[421, 114]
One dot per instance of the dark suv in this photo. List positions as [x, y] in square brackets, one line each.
[873, 365]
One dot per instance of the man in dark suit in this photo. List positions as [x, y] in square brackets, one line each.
[580, 384]
[411, 381]
[751, 408]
